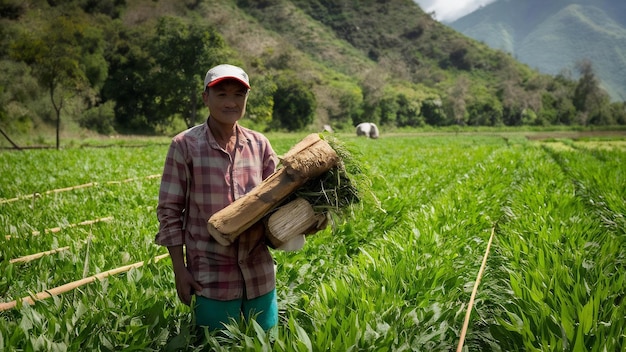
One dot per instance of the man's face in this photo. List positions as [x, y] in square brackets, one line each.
[226, 101]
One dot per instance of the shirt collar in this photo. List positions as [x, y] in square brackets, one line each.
[241, 136]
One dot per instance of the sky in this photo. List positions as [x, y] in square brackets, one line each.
[450, 10]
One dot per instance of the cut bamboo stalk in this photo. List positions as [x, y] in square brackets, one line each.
[57, 229]
[31, 257]
[292, 219]
[470, 305]
[30, 300]
[29, 196]
[308, 159]
[58, 190]
[131, 179]
[83, 223]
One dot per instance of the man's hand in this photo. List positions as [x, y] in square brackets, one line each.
[185, 285]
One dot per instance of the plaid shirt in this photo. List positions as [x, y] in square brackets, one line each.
[216, 180]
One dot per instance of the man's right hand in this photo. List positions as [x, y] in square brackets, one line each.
[185, 285]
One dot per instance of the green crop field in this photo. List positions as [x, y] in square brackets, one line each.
[394, 274]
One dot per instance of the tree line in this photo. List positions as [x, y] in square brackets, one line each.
[78, 60]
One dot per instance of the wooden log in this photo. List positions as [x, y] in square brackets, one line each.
[308, 159]
[292, 219]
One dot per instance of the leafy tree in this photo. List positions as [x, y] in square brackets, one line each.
[261, 100]
[12, 9]
[182, 54]
[129, 83]
[294, 103]
[529, 117]
[389, 108]
[618, 111]
[433, 112]
[548, 112]
[56, 56]
[373, 86]
[458, 57]
[456, 101]
[408, 112]
[589, 98]
[100, 118]
[111, 8]
[513, 107]
[484, 109]
[348, 98]
[557, 106]
[151, 84]
[566, 112]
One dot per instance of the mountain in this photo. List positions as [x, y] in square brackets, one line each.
[127, 63]
[553, 36]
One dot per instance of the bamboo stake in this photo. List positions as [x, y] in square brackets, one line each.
[30, 300]
[86, 222]
[86, 185]
[10, 200]
[471, 301]
[31, 257]
[132, 179]
[57, 229]
[59, 190]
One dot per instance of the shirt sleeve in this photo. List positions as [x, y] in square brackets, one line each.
[172, 198]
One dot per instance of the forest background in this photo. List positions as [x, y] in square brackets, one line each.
[116, 67]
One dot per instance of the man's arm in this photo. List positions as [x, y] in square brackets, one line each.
[172, 202]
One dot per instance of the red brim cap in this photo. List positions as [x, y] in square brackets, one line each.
[223, 72]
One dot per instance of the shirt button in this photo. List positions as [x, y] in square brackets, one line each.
[241, 262]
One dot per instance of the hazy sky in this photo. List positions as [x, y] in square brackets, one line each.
[450, 10]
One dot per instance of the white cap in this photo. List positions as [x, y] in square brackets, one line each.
[225, 71]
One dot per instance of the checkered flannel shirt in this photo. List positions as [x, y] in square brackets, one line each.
[216, 180]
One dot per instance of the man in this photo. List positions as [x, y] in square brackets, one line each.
[208, 167]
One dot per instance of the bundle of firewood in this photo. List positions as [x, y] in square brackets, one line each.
[294, 200]
[295, 218]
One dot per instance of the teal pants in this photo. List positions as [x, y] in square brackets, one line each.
[214, 314]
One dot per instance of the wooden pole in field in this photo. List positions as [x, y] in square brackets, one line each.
[471, 301]
[83, 223]
[86, 185]
[132, 179]
[57, 229]
[72, 285]
[31, 257]
[308, 159]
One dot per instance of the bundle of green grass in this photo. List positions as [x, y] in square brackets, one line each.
[341, 186]
[328, 197]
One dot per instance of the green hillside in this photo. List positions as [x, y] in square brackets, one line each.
[555, 36]
[136, 66]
